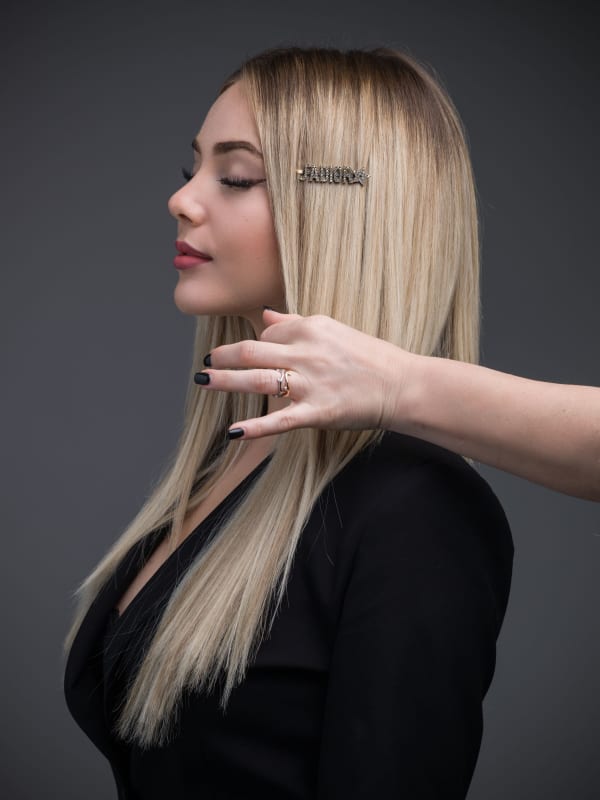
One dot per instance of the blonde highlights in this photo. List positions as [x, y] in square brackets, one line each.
[397, 258]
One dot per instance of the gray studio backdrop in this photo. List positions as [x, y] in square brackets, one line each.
[99, 106]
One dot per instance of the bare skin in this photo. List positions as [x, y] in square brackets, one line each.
[341, 378]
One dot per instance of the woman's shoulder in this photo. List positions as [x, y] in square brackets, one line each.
[410, 497]
[403, 465]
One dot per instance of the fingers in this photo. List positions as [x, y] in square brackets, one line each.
[249, 353]
[253, 381]
[284, 328]
[316, 352]
[280, 328]
[288, 339]
[272, 317]
[277, 422]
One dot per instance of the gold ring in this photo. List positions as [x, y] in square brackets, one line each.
[282, 380]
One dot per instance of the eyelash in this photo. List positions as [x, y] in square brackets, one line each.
[234, 182]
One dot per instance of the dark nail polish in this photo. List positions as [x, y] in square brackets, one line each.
[203, 378]
[206, 361]
[268, 308]
[235, 433]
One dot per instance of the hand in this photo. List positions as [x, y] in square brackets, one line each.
[338, 377]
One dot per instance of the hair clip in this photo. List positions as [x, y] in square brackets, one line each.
[332, 174]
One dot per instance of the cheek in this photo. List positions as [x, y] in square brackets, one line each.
[265, 244]
[252, 239]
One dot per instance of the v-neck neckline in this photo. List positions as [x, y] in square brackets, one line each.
[182, 549]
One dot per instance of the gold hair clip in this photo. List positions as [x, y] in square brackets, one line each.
[332, 174]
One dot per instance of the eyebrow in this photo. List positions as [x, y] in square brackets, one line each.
[226, 147]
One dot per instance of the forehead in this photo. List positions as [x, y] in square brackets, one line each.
[229, 117]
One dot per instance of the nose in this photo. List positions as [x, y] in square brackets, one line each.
[185, 205]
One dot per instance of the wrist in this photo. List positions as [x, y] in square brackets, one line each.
[404, 391]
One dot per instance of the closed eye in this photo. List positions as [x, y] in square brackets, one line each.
[233, 182]
[240, 183]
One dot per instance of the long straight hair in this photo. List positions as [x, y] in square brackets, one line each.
[397, 258]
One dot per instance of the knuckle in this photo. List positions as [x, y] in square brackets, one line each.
[319, 322]
[247, 352]
[286, 422]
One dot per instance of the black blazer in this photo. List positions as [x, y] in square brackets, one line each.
[370, 684]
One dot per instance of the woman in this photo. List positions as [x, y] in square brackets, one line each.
[548, 433]
[311, 615]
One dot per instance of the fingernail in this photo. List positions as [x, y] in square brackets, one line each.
[206, 361]
[235, 433]
[203, 378]
[268, 308]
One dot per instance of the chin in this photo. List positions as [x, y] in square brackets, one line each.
[187, 306]
[189, 302]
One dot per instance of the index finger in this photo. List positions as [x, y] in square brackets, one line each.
[250, 353]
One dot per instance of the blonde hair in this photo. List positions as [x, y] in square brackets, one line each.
[398, 259]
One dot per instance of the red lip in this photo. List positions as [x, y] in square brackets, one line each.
[186, 249]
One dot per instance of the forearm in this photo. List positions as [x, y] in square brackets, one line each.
[548, 433]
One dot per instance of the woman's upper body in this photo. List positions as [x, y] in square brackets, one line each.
[389, 570]
[371, 680]
[341, 378]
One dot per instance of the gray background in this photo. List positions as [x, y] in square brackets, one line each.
[99, 106]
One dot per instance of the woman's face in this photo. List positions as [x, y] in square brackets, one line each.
[232, 225]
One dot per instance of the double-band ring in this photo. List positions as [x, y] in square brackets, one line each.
[282, 380]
